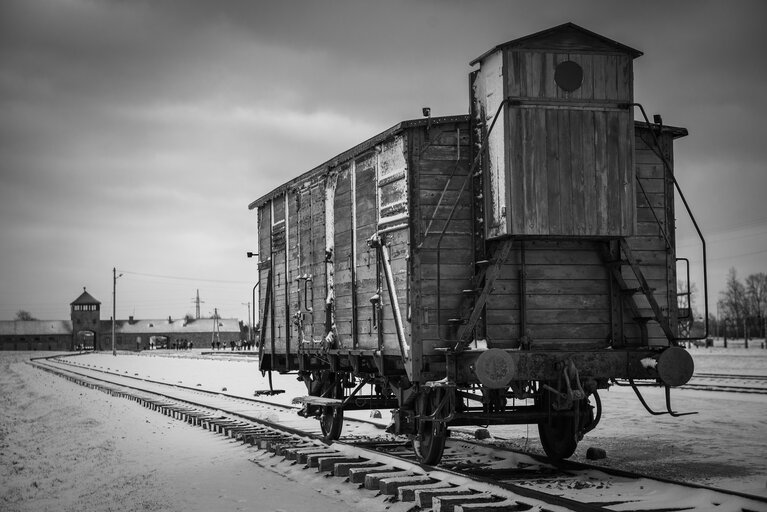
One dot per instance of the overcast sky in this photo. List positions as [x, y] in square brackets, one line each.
[134, 134]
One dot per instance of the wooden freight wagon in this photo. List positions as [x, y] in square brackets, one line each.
[491, 268]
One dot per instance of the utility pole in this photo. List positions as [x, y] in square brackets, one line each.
[249, 326]
[216, 334]
[114, 306]
[197, 302]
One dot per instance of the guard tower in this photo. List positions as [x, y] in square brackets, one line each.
[559, 158]
[86, 315]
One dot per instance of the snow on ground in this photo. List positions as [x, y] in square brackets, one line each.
[56, 458]
[65, 447]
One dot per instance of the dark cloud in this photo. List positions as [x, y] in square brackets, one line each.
[135, 133]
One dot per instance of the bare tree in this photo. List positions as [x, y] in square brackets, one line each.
[24, 315]
[685, 299]
[756, 293]
[734, 303]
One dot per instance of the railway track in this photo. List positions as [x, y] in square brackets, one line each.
[472, 476]
[728, 383]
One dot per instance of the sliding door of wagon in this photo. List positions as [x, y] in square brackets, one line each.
[366, 263]
[343, 258]
[393, 223]
[264, 269]
[308, 276]
[281, 333]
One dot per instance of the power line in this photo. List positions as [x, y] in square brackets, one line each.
[731, 256]
[184, 278]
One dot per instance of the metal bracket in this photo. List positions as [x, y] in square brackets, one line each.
[668, 410]
[566, 399]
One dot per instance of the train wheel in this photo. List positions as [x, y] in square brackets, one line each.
[331, 423]
[332, 418]
[430, 441]
[560, 435]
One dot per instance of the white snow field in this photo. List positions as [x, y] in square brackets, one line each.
[66, 447]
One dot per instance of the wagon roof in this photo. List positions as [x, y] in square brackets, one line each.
[573, 33]
[676, 132]
[357, 150]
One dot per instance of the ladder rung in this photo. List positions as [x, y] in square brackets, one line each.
[632, 291]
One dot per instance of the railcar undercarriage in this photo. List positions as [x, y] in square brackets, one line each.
[492, 387]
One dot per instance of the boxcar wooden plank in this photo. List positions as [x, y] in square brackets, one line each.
[565, 287]
[593, 196]
[566, 198]
[598, 317]
[626, 162]
[615, 175]
[527, 208]
[565, 331]
[541, 174]
[600, 77]
[576, 302]
[611, 76]
[553, 194]
[587, 86]
[602, 172]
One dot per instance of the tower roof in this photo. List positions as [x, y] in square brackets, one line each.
[84, 298]
[563, 38]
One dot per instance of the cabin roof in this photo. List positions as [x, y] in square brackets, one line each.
[84, 298]
[357, 150]
[567, 35]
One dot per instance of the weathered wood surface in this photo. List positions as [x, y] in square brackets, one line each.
[567, 291]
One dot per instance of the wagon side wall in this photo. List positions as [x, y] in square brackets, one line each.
[443, 244]
[655, 242]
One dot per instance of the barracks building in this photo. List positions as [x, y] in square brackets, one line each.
[85, 330]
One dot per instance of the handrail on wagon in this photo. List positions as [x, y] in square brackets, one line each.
[667, 167]
[379, 243]
[469, 174]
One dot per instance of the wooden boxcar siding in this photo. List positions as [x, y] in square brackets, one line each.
[280, 287]
[569, 154]
[264, 266]
[567, 286]
[344, 258]
[366, 260]
[658, 260]
[391, 206]
[307, 277]
[440, 160]
[570, 172]
[329, 271]
[606, 77]
[566, 297]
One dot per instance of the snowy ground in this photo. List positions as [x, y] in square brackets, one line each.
[65, 447]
